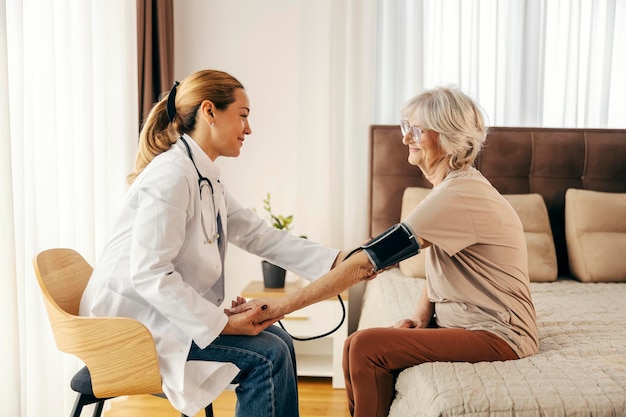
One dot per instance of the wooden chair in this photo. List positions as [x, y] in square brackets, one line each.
[119, 353]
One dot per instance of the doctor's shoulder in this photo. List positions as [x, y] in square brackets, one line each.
[167, 176]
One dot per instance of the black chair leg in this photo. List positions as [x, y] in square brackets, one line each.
[78, 406]
[97, 411]
[86, 399]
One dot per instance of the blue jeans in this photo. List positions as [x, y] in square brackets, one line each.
[267, 381]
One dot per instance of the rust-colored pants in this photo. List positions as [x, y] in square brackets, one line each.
[372, 359]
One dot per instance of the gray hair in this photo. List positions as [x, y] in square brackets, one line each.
[457, 118]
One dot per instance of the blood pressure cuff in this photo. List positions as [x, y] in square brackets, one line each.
[392, 246]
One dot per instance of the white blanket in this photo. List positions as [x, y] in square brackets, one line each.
[580, 369]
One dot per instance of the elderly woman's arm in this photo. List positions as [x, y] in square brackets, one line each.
[423, 313]
[425, 308]
[353, 270]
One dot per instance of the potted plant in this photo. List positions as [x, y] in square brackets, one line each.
[274, 275]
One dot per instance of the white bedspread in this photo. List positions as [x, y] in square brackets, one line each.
[580, 369]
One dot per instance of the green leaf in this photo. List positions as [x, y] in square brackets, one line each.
[276, 220]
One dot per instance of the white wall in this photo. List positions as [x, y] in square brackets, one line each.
[280, 50]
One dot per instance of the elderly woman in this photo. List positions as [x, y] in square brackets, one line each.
[476, 304]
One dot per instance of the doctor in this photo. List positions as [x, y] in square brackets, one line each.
[164, 259]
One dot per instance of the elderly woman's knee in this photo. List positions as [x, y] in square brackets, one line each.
[362, 342]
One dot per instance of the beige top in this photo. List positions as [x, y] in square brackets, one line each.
[477, 266]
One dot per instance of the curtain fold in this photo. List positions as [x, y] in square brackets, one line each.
[9, 349]
[155, 51]
[69, 72]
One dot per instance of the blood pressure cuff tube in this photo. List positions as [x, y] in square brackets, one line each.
[392, 246]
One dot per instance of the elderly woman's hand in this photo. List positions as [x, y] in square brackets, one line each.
[233, 304]
[405, 324]
[250, 322]
[409, 324]
[270, 308]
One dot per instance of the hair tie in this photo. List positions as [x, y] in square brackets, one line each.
[171, 104]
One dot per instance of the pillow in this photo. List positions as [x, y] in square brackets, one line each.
[413, 266]
[595, 232]
[532, 211]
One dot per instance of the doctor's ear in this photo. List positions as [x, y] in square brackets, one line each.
[206, 108]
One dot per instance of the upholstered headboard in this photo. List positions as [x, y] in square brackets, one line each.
[546, 161]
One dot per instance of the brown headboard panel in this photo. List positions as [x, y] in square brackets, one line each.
[546, 161]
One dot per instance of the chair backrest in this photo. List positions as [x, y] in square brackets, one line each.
[119, 352]
[63, 275]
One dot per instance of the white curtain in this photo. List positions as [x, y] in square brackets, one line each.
[69, 127]
[352, 86]
[550, 63]
[352, 94]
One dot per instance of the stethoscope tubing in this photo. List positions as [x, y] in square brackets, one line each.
[202, 179]
[338, 326]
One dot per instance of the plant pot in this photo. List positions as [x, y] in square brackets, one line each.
[273, 275]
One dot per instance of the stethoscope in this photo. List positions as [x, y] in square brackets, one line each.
[209, 238]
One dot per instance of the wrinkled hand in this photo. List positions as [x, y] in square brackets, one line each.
[269, 309]
[408, 324]
[249, 322]
[233, 304]
[373, 274]
[239, 307]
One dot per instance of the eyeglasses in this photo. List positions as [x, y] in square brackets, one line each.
[416, 132]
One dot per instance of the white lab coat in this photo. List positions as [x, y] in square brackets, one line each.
[156, 268]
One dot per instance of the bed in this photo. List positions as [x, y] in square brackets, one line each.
[580, 369]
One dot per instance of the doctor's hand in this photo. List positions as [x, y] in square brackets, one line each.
[250, 322]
